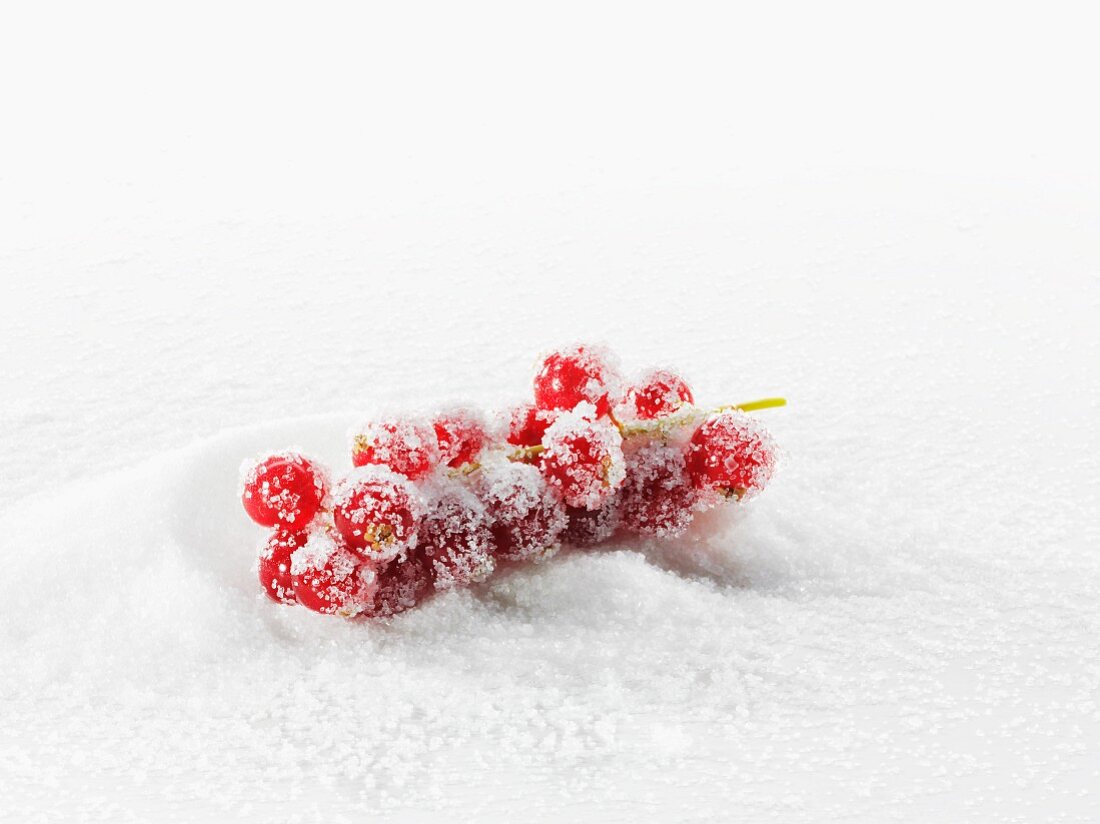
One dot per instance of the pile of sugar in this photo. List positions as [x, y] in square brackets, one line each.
[805, 656]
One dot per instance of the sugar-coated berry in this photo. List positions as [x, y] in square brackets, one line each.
[274, 565]
[657, 498]
[731, 453]
[441, 502]
[656, 394]
[377, 512]
[408, 447]
[583, 457]
[528, 424]
[455, 537]
[574, 375]
[461, 436]
[329, 578]
[526, 514]
[588, 527]
[403, 584]
[284, 489]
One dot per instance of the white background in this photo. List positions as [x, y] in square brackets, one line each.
[222, 215]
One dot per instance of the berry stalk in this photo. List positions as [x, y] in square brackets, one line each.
[665, 424]
[689, 417]
[752, 406]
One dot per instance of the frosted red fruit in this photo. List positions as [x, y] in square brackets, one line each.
[455, 537]
[583, 458]
[377, 512]
[731, 453]
[408, 447]
[528, 424]
[657, 498]
[284, 489]
[656, 394]
[588, 527]
[570, 376]
[275, 565]
[461, 436]
[329, 578]
[403, 584]
[526, 515]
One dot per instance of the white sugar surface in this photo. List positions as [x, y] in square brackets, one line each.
[856, 642]
[905, 623]
[203, 260]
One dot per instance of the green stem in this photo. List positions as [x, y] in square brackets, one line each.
[694, 416]
[751, 406]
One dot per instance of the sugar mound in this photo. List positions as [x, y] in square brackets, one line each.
[810, 634]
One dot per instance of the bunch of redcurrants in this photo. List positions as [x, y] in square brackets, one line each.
[442, 502]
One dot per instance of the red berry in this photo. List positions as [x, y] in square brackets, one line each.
[570, 376]
[526, 515]
[657, 498]
[329, 578]
[528, 424]
[583, 458]
[377, 512]
[461, 436]
[731, 453]
[284, 489]
[408, 447]
[588, 527]
[403, 584]
[275, 565]
[455, 537]
[657, 394]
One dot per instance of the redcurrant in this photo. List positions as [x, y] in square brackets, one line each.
[284, 489]
[377, 512]
[526, 515]
[403, 584]
[656, 394]
[461, 435]
[455, 537]
[275, 565]
[573, 375]
[528, 424]
[657, 498]
[588, 527]
[329, 578]
[732, 453]
[408, 447]
[583, 457]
